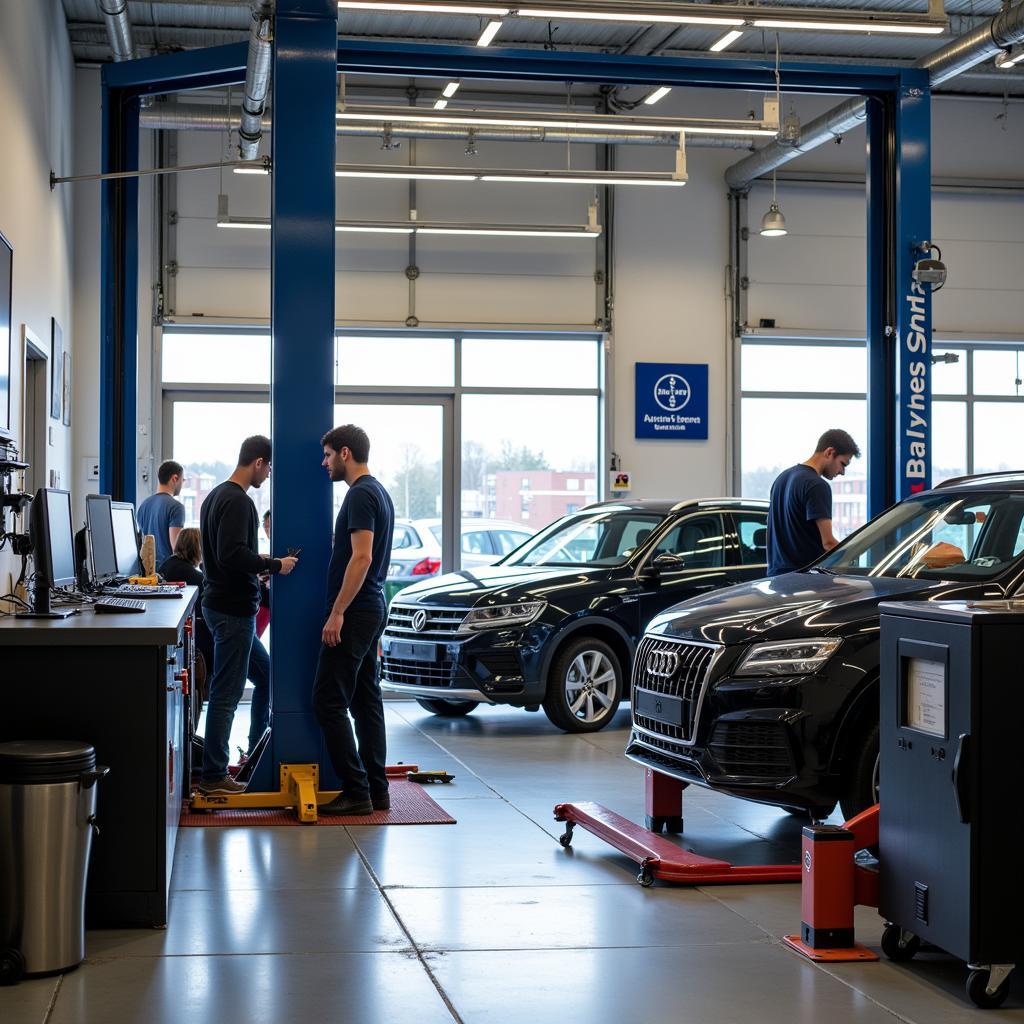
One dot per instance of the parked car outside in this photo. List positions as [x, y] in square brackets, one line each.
[769, 690]
[556, 622]
[416, 546]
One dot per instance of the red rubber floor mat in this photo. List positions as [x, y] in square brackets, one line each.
[411, 804]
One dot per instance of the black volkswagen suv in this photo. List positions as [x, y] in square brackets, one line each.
[555, 622]
[769, 690]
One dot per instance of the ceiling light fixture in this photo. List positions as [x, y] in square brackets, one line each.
[658, 94]
[491, 29]
[425, 8]
[865, 25]
[1010, 58]
[579, 122]
[450, 90]
[383, 172]
[773, 224]
[727, 40]
[681, 18]
[440, 104]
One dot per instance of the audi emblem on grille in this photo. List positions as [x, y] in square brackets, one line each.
[662, 664]
[419, 620]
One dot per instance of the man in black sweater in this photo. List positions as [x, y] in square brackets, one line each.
[228, 526]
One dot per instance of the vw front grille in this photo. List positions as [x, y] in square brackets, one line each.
[676, 668]
[438, 624]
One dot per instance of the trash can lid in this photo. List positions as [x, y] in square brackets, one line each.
[29, 762]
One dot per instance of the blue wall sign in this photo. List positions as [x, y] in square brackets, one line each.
[672, 401]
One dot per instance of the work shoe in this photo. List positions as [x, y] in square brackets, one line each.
[342, 804]
[381, 801]
[221, 786]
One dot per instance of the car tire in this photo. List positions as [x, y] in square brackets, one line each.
[447, 708]
[860, 779]
[585, 685]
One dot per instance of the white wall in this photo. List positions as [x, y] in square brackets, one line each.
[36, 134]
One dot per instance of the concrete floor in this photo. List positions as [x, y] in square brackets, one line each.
[489, 920]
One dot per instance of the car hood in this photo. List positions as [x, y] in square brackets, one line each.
[794, 605]
[494, 584]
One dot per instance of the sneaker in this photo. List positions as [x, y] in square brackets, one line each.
[342, 804]
[381, 802]
[225, 785]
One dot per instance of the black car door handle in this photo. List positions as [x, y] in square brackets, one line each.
[961, 778]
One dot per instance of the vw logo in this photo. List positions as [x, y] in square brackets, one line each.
[662, 664]
[419, 620]
[672, 392]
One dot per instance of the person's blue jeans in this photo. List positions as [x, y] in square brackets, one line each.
[233, 637]
[259, 676]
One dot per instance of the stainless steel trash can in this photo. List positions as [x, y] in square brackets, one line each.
[47, 819]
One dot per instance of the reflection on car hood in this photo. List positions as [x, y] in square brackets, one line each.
[796, 604]
[493, 584]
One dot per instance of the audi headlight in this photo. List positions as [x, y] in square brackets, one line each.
[787, 657]
[501, 616]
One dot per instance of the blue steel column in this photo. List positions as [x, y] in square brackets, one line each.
[302, 379]
[119, 256]
[913, 301]
[880, 341]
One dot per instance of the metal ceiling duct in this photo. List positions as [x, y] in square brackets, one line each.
[119, 29]
[257, 80]
[1005, 29]
[197, 117]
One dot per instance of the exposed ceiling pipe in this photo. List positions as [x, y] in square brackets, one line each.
[119, 29]
[257, 80]
[1003, 30]
[197, 117]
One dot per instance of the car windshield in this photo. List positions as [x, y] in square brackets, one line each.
[936, 537]
[603, 537]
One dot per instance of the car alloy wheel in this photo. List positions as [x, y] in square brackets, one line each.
[590, 686]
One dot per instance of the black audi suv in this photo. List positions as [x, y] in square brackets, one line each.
[769, 690]
[555, 622]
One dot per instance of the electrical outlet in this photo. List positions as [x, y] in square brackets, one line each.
[91, 468]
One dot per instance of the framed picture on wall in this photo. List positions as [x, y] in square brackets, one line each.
[6, 339]
[56, 369]
[67, 389]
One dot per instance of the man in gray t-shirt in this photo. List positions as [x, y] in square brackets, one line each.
[160, 514]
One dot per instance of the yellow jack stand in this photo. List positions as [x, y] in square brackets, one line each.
[298, 790]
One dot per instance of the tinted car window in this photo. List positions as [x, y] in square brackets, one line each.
[752, 531]
[476, 543]
[697, 540]
[607, 537]
[507, 540]
[939, 536]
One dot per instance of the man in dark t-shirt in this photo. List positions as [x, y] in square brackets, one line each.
[800, 506]
[346, 674]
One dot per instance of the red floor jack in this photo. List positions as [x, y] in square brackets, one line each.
[833, 884]
[657, 857]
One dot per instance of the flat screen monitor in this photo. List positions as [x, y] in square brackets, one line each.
[99, 519]
[126, 539]
[6, 337]
[53, 537]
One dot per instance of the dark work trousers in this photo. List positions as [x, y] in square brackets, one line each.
[346, 683]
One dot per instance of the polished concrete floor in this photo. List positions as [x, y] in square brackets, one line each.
[489, 920]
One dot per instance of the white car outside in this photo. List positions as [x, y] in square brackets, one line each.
[416, 545]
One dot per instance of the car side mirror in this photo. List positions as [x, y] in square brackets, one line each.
[662, 563]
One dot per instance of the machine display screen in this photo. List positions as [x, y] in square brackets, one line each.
[924, 702]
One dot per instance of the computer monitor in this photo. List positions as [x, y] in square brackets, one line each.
[53, 549]
[126, 539]
[100, 522]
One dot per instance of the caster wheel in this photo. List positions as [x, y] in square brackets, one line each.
[977, 982]
[566, 838]
[674, 825]
[12, 967]
[645, 878]
[899, 947]
[655, 824]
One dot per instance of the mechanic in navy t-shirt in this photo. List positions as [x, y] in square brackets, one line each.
[800, 506]
[346, 674]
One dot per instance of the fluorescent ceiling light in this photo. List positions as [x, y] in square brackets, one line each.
[382, 228]
[368, 5]
[372, 229]
[440, 104]
[513, 232]
[490, 31]
[406, 175]
[1007, 59]
[259, 225]
[584, 178]
[694, 126]
[682, 18]
[658, 94]
[867, 25]
[727, 40]
[450, 90]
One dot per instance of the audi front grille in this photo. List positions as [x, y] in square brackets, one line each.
[674, 668]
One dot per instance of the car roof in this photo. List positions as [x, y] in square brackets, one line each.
[668, 505]
[1003, 481]
[486, 524]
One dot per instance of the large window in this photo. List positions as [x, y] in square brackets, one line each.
[791, 391]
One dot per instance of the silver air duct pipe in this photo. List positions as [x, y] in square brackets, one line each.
[257, 81]
[195, 117]
[1005, 29]
[119, 29]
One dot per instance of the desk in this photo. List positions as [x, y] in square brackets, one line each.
[115, 681]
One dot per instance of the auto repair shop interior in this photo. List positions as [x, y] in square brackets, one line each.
[591, 276]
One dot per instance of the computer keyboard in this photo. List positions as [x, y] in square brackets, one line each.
[143, 590]
[119, 604]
